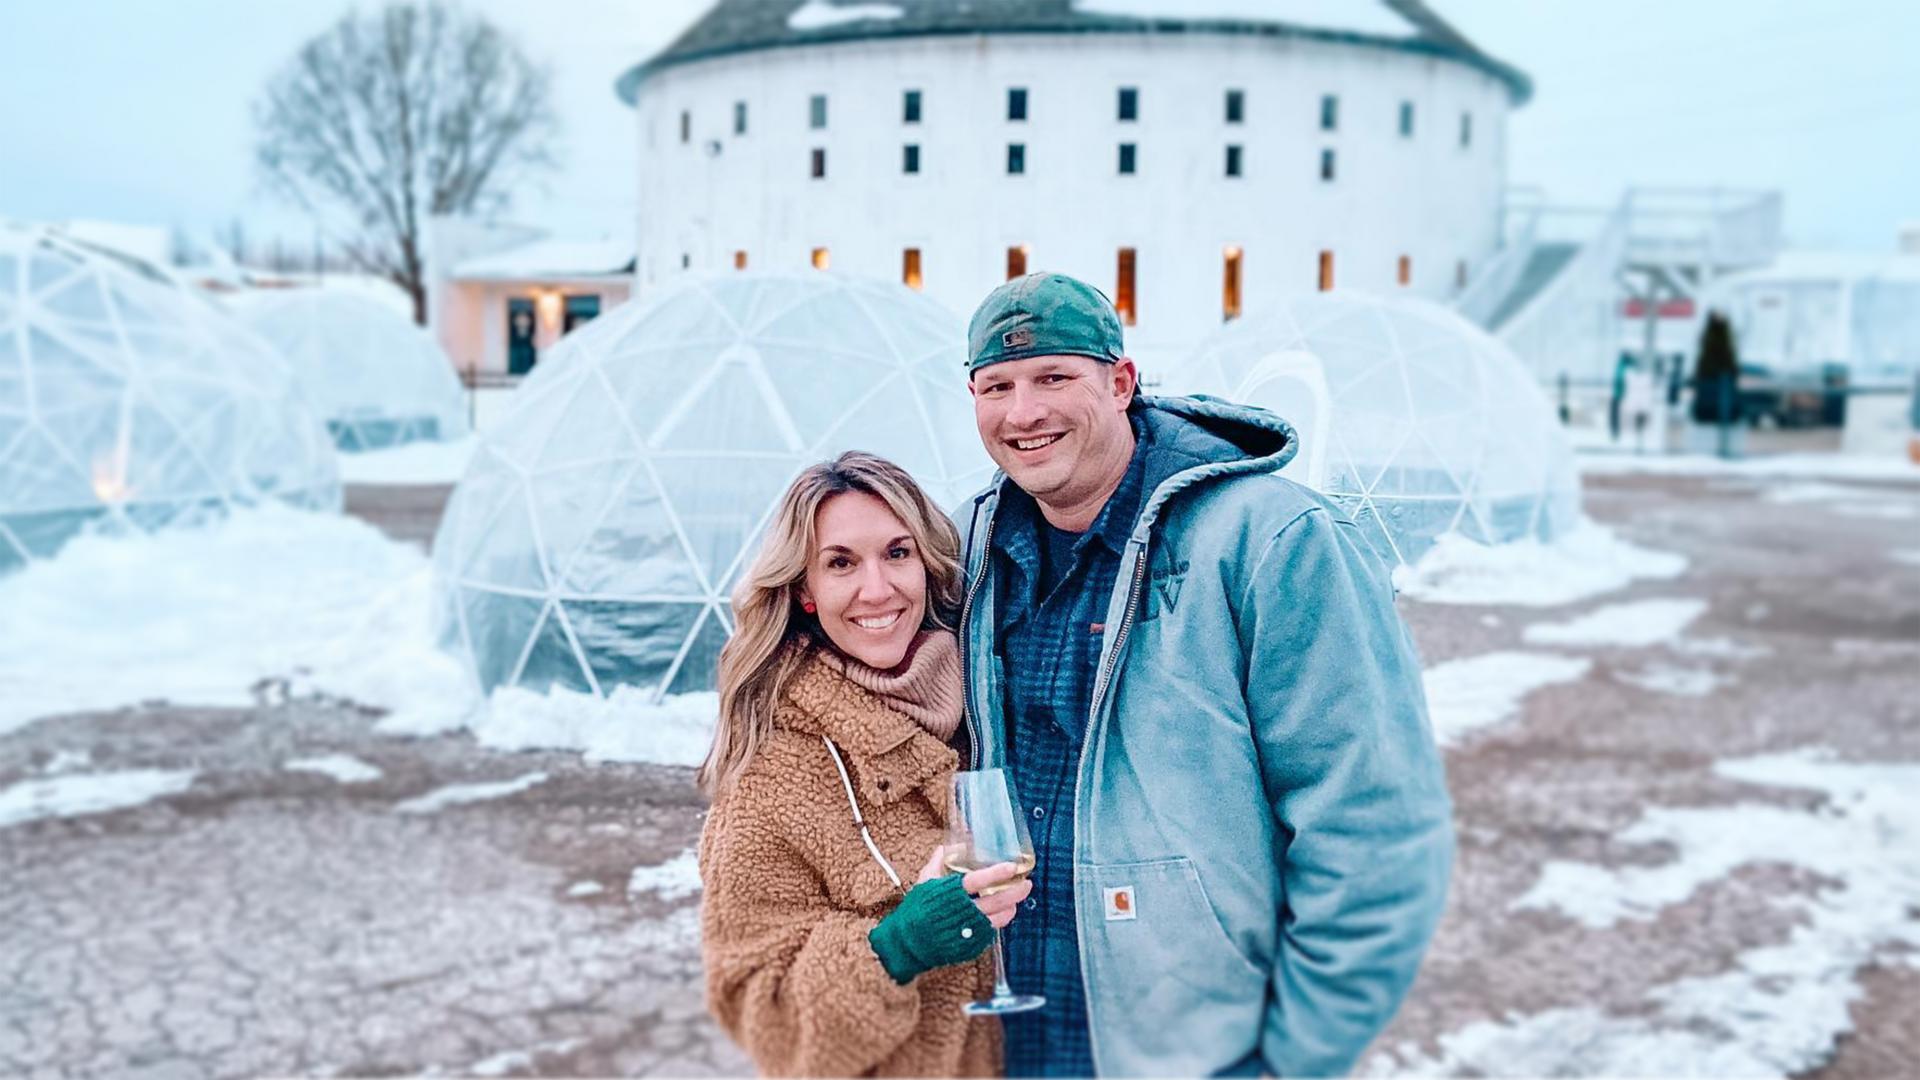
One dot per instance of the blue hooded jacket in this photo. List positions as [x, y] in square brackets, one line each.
[1258, 778]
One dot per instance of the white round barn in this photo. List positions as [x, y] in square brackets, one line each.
[1195, 159]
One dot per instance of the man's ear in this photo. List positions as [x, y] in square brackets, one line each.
[1126, 381]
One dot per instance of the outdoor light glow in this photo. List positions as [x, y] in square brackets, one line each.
[110, 477]
[548, 303]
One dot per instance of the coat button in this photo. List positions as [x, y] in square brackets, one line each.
[1039, 812]
[966, 931]
[1033, 905]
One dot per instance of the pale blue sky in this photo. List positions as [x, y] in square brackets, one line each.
[138, 111]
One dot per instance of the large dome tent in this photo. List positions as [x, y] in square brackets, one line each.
[377, 380]
[1415, 420]
[129, 401]
[601, 526]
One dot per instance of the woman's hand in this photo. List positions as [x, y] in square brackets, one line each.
[1001, 907]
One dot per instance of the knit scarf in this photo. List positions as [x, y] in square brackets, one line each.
[925, 686]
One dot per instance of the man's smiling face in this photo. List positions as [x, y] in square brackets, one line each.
[1057, 425]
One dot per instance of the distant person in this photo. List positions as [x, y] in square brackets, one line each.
[839, 691]
[1194, 670]
[1621, 369]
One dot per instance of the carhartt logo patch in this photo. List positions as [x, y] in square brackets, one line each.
[1016, 339]
[1120, 904]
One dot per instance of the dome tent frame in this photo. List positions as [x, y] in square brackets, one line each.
[127, 399]
[613, 564]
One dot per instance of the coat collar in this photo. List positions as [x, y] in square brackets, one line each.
[891, 755]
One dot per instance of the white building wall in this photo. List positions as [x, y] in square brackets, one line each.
[1425, 197]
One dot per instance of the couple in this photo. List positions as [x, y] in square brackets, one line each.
[1194, 675]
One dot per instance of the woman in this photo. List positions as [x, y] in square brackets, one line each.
[839, 693]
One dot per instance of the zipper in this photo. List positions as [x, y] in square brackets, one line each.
[1100, 684]
[972, 711]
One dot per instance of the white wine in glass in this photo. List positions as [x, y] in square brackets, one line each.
[985, 827]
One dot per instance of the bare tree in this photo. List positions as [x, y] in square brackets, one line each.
[386, 119]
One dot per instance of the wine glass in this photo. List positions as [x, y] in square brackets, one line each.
[985, 827]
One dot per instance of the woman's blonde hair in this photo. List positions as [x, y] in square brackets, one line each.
[756, 663]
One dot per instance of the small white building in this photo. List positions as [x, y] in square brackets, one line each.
[1196, 159]
[1810, 309]
[501, 296]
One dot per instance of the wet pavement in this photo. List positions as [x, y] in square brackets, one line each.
[271, 921]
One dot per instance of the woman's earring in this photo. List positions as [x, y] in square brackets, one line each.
[807, 606]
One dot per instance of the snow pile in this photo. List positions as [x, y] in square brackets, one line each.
[203, 615]
[1466, 695]
[1678, 681]
[1638, 624]
[338, 767]
[1833, 466]
[1910, 556]
[671, 880]
[87, 793]
[462, 794]
[820, 14]
[422, 462]
[624, 726]
[1323, 14]
[1586, 562]
[1780, 1009]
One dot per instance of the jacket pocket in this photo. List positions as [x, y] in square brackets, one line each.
[1169, 991]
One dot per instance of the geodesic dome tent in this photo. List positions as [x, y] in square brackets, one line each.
[599, 529]
[127, 400]
[377, 379]
[1414, 419]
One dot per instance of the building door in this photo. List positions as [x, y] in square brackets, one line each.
[580, 307]
[521, 355]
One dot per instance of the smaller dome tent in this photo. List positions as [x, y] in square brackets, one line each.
[601, 526]
[1417, 421]
[127, 399]
[378, 380]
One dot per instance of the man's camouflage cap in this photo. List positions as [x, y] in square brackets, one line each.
[1043, 315]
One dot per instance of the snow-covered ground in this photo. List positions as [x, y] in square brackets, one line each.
[1583, 563]
[671, 880]
[1480, 691]
[1831, 466]
[77, 794]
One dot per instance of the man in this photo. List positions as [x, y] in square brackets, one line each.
[1213, 715]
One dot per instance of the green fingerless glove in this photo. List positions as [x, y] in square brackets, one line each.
[936, 925]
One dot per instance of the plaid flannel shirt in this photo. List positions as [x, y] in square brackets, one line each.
[1050, 647]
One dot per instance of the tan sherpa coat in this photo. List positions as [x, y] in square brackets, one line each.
[791, 892]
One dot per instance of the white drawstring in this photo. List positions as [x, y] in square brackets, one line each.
[857, 818]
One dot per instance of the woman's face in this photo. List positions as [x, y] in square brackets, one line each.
[866, 578]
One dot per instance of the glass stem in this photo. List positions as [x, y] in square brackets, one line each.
[1000, 987]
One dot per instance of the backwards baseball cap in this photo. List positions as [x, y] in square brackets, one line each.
[1043, 315]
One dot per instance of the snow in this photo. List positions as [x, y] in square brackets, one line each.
[1678, 681]
[1910, 556]
[549, 259]
[414, 463]
[1720, 648]
[1637, 624]
[1832, 466]
[87, 793]
[1859, 502]
[671, 880]
[203, 615]
[585, 888]
[1466, 695]
[1371, 18]
[1781, 1006]
[624, 726]
[462, 794]
[341, 767]
[819, 14]
[1583, 563]
[512, 1061]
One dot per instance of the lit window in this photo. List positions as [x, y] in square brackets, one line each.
[1230, 284]
[1123, 301]
[819, 163]
[1016, 159]
[739, 118]
[1233, 160]
[1326, 271]
[1329, 113]
[817, 111]
[686, 125]
[1406, 119]
[1326, 164]
[910, 158]
[1466, 129]
[910, 107]
[1017, 103]
[1236, 106]
[1129, 103]
[1127, 159]
[1406, 270]
[820, 258]
[1016, 261]
[910, 268]
[740, 260]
